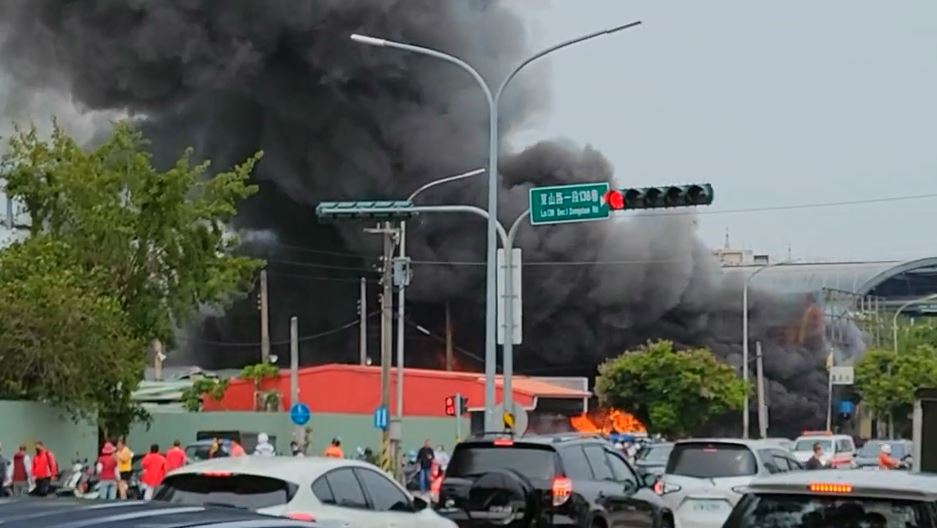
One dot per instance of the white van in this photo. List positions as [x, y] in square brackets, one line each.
[839, 451]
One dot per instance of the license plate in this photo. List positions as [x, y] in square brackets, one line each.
[709, 506]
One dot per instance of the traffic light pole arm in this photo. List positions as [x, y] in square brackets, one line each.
[478, 211]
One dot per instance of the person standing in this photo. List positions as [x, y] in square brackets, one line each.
[107, 472]
[6, 481]
[296, 450]
[19, 472]
[425, 457]
[175, 457]
[124, 468]
[264, 447]
[335, 449]
[153, 466]
[442, 457]
[44, 469]
[816, 460]
[235, 449]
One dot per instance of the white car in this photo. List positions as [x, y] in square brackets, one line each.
[839, 451]
[332, 492]
[704, 478]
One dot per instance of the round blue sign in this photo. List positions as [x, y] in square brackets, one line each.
[299, 414]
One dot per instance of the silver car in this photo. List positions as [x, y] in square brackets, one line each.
[704, 478]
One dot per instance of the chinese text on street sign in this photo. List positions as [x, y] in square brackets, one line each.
[842, 375]
[568, 203]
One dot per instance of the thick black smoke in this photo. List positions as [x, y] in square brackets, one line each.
[339, 120]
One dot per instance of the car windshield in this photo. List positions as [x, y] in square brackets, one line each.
[873, 448]
[806, 444]
[711, 460]
[806, 511]
[533, 462]
[243, 491]
[655, 453]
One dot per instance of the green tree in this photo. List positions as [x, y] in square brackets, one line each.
[887, 381]
[257, 374]
[204, 387]
[148, 244]
[672, 392]
[62, 341]
[157, 238]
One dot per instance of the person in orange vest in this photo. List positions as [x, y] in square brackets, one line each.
[175, 457]
[885, 460]
[44, 469]
[335, 449]
[235, 449]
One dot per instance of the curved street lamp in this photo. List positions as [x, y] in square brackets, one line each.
[894, 320]
[492, 238]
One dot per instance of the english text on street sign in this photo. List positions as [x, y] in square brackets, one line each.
[381, 418]
[568, 203]
[299, 414]
[842, 375]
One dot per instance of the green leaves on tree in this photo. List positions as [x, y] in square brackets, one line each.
[672, 392]
[887, 381]
[119, 250]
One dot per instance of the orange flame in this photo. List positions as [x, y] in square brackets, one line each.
[607, 421]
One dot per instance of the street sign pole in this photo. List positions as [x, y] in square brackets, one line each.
[458, 418]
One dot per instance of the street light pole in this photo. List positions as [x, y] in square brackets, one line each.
[745, 369]
[894, 320]
[507, 370]
[491, 260]
[401, 292]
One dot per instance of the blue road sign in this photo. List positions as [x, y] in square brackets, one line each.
[381, 417]
[299, 414]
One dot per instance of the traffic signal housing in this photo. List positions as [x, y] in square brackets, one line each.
[365, 210]
[659, 197]
[456, 405]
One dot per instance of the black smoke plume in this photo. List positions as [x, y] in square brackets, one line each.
[338, 120]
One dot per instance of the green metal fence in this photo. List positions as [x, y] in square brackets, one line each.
[23, 422]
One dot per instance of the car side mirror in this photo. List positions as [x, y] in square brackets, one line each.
[419, 504]
[649, 479]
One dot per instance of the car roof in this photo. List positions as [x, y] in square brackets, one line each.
[885, 484]
[289, 468]
[74, 513]
[750, 443]
[544, 439]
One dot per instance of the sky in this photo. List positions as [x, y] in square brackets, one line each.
[774, 103]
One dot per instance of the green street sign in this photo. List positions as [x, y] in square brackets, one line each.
[561, 204]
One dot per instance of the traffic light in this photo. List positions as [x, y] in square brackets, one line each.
[456, 405]
[659, 197]
[450, 405]
[366, 210]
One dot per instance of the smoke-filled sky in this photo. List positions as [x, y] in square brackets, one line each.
[338, 120]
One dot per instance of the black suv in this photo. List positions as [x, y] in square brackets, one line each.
[562, 480]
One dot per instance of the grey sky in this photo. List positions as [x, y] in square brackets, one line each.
[774, 103]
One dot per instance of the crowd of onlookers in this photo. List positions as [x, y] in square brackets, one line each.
[23, 474]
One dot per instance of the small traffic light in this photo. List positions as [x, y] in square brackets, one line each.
[450, 406]
[366, 210]
[659, 197]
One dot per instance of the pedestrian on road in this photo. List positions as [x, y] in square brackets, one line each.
[107, 472]
[175, 457]
[335, 449]
[295, 449]
[442, 458]
[264, 447]
[19, 473]
[816, 460]
[885, 460]
[425, 457]
[154, 469]
[124, 468]
[235, 449]
[44, 469]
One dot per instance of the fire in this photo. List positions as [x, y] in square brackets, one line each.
[607, 421]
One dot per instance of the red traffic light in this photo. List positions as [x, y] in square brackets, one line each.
[615, 199]
[450, 405]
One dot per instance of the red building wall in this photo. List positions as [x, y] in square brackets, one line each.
[351, 389]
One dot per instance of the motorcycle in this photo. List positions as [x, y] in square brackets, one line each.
[75, 481]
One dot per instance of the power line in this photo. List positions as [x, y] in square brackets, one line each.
[319, 266]
[320, 251]
[425, 331]
[320, 278]
[310, 337]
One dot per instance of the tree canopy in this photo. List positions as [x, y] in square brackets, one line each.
[119, 254]
[673, 392]
[887, 381]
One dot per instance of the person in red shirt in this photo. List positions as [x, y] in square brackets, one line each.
[107, 472]
[44, 469]
[154, 469]
[236, 450]
[885, 460]
[175, 457]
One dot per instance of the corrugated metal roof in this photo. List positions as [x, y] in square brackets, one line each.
[796, 278]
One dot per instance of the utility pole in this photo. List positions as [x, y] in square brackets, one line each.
[298, 431]
[449, 355]
[264, 320]
[388, 451]
[762, 408]
[158, 358]
[363, 324]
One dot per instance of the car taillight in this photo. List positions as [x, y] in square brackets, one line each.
[562, 490]
[299, 516]
[216, 473]
[503, 442]
[823, 487]
[662, 488]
